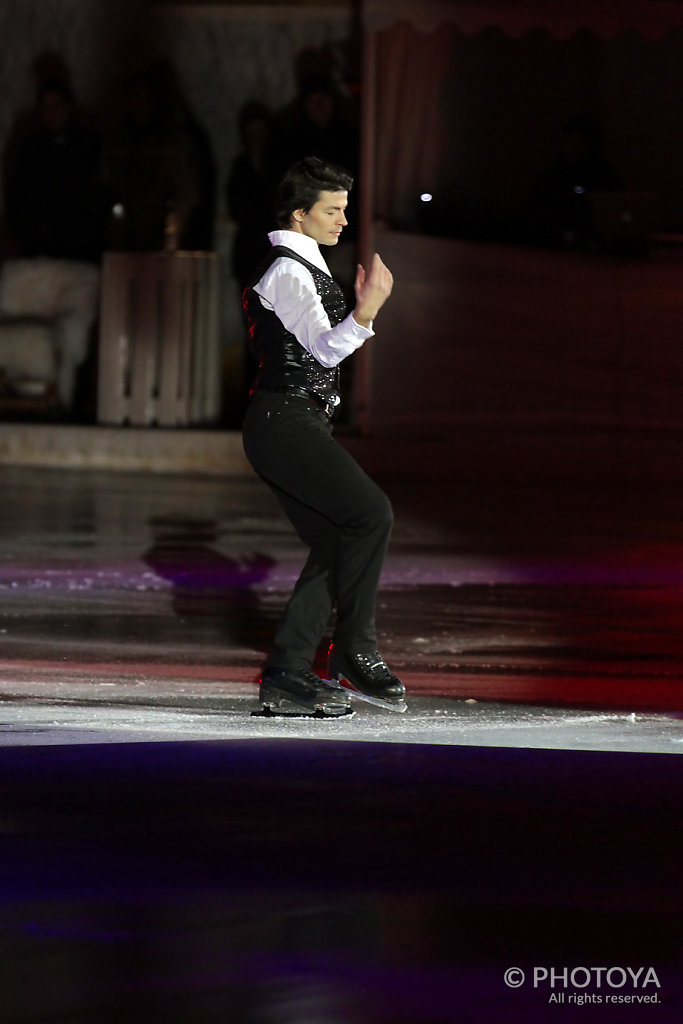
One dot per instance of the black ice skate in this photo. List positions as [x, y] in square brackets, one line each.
[368, 677]
[300, 692]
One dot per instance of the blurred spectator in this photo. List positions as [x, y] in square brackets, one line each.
[249, 191]
[320, 128]
[199, 229]
[151, 169]
[249, 195]
[54, 206]
[559, 204]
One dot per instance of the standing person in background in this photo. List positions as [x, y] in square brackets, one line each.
[53, 199]
[321, 129]
[559, 206]
[300, 333]
[250, 191]
[250, 200]
[151, 169]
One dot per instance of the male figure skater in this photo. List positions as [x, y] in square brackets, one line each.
[299, 333]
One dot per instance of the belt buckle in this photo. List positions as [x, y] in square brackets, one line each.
[331, 406]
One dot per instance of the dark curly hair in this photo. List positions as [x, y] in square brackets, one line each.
[302, 184]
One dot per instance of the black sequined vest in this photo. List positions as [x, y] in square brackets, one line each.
[281, 358]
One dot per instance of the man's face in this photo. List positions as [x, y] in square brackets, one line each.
[325, 220]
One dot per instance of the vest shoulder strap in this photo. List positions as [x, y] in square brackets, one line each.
[275, 253]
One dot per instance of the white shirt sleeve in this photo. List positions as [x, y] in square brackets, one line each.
[287, 289]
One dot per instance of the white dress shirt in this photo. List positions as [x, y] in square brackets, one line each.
[287, 288]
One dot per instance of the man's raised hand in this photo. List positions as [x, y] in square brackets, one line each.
[372, 290]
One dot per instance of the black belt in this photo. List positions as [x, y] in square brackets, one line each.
[327, 406]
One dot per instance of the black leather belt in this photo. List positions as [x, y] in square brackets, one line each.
[327, 406]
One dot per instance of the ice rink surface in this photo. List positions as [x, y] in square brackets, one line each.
[167, 856]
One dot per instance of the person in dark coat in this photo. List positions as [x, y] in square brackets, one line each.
[54, 205]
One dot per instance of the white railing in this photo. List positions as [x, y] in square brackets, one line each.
[159, 350]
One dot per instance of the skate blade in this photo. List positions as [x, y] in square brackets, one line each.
[294, 711]
[281, 702]
[397, 706]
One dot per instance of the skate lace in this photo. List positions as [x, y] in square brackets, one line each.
[375, 664]
[310, 677]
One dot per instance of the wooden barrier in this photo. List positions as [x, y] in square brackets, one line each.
[159, 350]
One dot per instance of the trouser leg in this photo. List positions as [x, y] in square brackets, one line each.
[336, 509]
[307, 613]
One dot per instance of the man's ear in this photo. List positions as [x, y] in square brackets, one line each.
[298, 215]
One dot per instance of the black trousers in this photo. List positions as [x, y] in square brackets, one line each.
[337, 510]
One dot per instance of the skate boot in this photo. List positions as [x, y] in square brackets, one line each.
[300, 692]
[369, 678]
